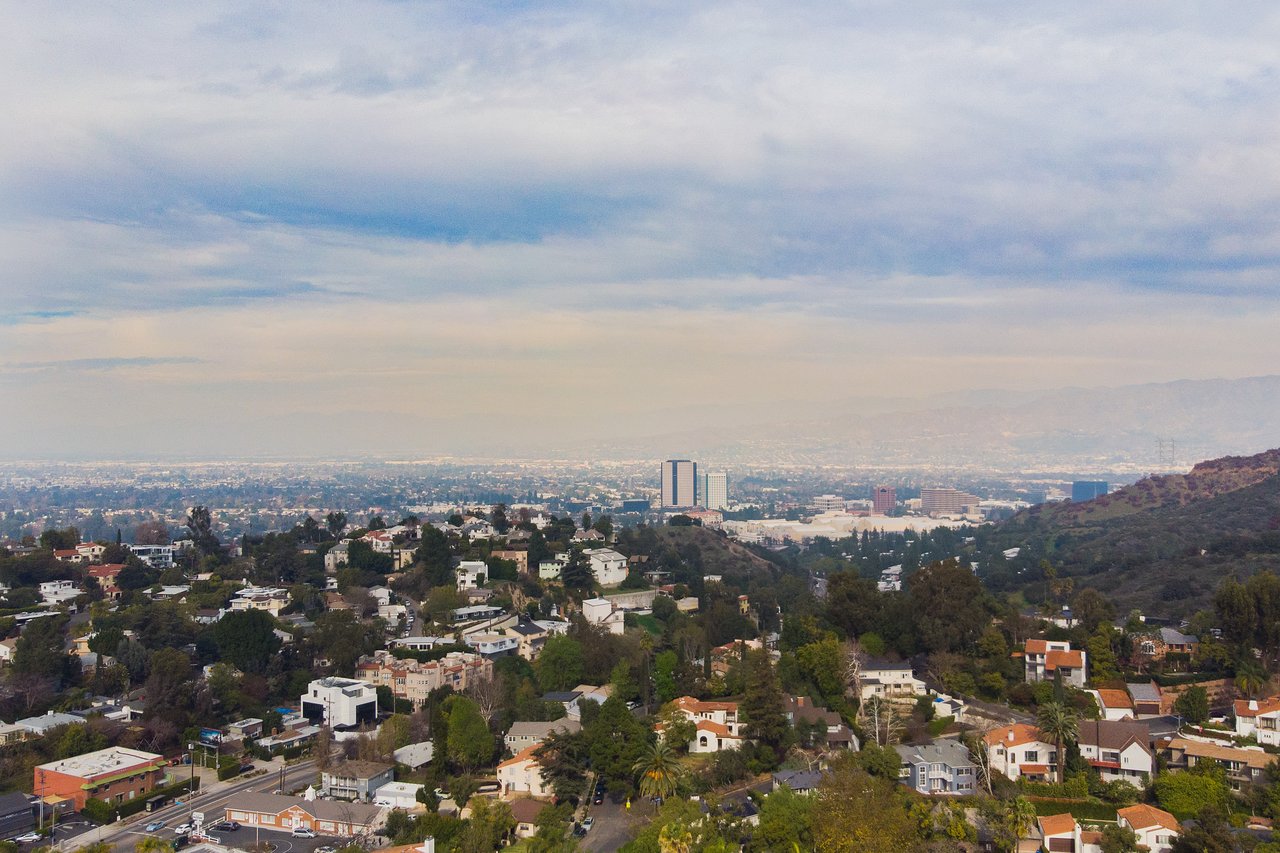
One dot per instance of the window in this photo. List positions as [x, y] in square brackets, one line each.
[1032, 756]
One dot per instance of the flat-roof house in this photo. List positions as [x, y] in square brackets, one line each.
[1043, 660]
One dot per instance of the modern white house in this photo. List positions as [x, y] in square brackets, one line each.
[340, 702]
[890, 680]
[600, 611]
[58, 592]
[608, 566]
[471, 574]
[1118, 750]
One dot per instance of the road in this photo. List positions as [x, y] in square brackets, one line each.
[613, 824]
[213, 803]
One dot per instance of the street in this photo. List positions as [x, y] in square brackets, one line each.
[613, 823]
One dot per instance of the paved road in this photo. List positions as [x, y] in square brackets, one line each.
[613, 824]
[122, 837]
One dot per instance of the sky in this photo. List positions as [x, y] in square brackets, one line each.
[236, 228]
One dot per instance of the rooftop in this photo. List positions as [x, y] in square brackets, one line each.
[104, 762]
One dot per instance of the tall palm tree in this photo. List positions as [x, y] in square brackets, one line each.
[660, 770]
[1250, 678]
[1059, 724]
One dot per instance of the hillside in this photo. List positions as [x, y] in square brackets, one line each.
[1164, 543]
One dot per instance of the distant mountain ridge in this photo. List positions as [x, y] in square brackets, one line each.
[1164, 543]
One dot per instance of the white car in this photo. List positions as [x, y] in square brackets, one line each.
[302, 832]
[28, 838]
[182, 829]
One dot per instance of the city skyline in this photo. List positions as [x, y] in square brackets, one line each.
[249, 228]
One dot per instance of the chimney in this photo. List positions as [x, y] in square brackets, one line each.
[428, 845]
[1010, 734]
[1253, 704]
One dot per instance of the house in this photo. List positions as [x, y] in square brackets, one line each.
[12, 733]
[549, 570]
[414, 680]
[889, 680]
[587, 536]
[608, 566]
[1243, 766]
[91, 551]
[1260, 718]
[471, 574]
[284, 814]
[475, 613]
[1156, 829]
[531, 637]
[800, 781]
[17, 815]
[289, 739]
[381, 541]
[7, 648]
[397, 795]
[68, 555]
[520, 558]
[175, 592]
[415, 755]
[58, 592]
[493, 645]
[271, 599]
[941, 767]
[1018, 752]
[522, 774]
[836, 735]
[114, 775]
[524, 812]
[524, 734]
[245, 729]
[710, 736]
[600, 611]
[43, 724]
[1114, 704]
[1118, 750]
[1146, 699]
[340, 702]
[155, 556]
[1159, 645]
[1044, 660]
[1060, 833]
[105, 574]
[356, 780]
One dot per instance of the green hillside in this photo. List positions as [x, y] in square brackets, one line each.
[1164, 543]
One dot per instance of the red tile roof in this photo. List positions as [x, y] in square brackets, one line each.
[1057, 824]
[1143, 816]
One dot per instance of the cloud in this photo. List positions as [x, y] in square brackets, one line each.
[96, 365]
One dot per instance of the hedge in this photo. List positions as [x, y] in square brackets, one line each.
[1079, 809]
[1074, 788]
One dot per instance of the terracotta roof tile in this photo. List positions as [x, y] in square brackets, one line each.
[1057, 824]
[1143, 816]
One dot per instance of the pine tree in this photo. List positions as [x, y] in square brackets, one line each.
[761, 707]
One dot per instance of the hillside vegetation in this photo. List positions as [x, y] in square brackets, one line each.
[1164, 543]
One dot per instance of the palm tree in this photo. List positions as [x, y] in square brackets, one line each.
[1250, 679]
[1059, 724]
[660, 770]
[153, 844]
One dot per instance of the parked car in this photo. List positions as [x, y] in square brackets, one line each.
[587, 823]
[181, 841]
[302, 832]
[28, 838]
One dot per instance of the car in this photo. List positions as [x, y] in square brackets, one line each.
[326, 848]
[587, 823]
[154, 826]
[226, 826]
[598, 798]
[181, 841]
[246, 768]
[302, 832]
[277, 791]
[28, 838]
[183, 829]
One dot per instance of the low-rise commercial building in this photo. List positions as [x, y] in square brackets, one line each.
[284, 814]
[113, 775]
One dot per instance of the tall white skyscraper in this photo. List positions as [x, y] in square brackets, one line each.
[715, 490]
[679, 483]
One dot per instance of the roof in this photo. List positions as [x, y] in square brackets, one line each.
[1218, 752]
[342, 812]
[1145, 692]
[1115, 698]
[688, 703]
[525, 810]
[948, 752]
[105, 762]
[359, 769]
[875, 664]
[1036, 647]
[1265, 706]
[1115, 734]
[1022, 733]
[1143, 816]
[1173, 637]
[1057, 658]
[1057, 824]
[715, 728]
[798, 780]
[522, 756]
[526, 728]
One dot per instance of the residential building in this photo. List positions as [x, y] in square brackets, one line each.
[1164, 644]
[471, 574]
[114, 775]
[285, 814]
[155, 556]
[520, 558]
[531, 637]
[1146, 699]
[836, 735]
[889, 680]
[1243, 766]
[414, 680]
[715, 490]
[271, 599]
[59, 592]
[947, 501]
[525, 812]
[105, 574]
[12, 733]
[679, 483]
[600, 611]
[17, 815]
[608, 566]
[884, 500]
[46, 722]
[69, 555]
[493, 645]
[800, 781]
[1087, 490]
[248, 728]
[336, 557]
[475, 613]
[1114, 704]
[1018, 752]
[523, 735]
[356, 780]
[717, 724]
[415, 755]
[1059, 833]
[340, 702]
[1156, 829]
[941, 767]
[1043, 659]
[522, 775]
[1260, 718]
[1118, 750]
[397, 795]
[7, 649]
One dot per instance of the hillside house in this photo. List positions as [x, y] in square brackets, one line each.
[1118, 750]
[1044, 660]
[1156, 829]
[942, 767]
[1260, 718]
[1018, 752]
[522, 775]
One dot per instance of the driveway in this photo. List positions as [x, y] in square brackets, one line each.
[613, 823]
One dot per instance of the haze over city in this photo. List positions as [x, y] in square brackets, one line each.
[237, 229]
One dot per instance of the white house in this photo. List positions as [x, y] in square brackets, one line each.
[523, 735]
[271, 599]
[886, 679]
[1044, 659]
[1260, 718]
[471, 574]
[340, 702]
[521, 775]
[608, 566]
[718, 725]
[1118, 750]
[549, 570]
[1156, 829]
[1018, 752]
[600, 611]
[57, 592]
[397, 795]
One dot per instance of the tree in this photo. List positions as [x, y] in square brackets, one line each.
[1251, 679]
[1192, 704]
[435, 556]
[560, 664]
[1092, 609]
[490, 823]
[1118, 839]
[170, 691]
[616, 740]
[153, 532]
[1210, 834]
[470, 742]
[785, 822]
[664, 674]
[1102, 660]
[60, 540]
[335, 523]
[659, 770]
[576, 574]
[200, 525]
[247, 638]
[39, 650]
[1187, 794]
[949, 606]
[1058, 724]
[152, 844]
[498, 518]
[677, 729]
[761, 706]
[855, 811]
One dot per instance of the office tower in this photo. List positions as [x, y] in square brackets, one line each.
[883, 499]
[715, 490]
[828, 503]
[679, 483]
[936, 501]
[1087, 490]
